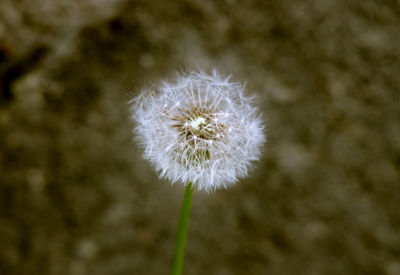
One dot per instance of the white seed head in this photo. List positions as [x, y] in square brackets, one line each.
[201, 129]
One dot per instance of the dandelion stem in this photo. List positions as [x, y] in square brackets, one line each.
[180, 244]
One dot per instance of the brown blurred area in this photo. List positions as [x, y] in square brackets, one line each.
[76, 197]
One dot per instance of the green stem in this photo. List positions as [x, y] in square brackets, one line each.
[179, 253]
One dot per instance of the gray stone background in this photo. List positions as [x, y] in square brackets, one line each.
[76, 197]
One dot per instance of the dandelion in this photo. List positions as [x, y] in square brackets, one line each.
[201, 131]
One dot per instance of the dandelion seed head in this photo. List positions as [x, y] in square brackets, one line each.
[201, 129]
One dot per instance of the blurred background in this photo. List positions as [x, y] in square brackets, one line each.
[76, 197]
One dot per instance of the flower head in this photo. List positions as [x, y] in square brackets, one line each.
[201, 129]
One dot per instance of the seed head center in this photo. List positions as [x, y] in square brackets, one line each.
[195, 123]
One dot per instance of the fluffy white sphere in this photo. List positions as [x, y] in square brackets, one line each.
[201, 129]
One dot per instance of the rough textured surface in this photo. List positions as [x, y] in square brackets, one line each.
[76, 197]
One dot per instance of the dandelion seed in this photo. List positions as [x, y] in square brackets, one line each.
[202, 129]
